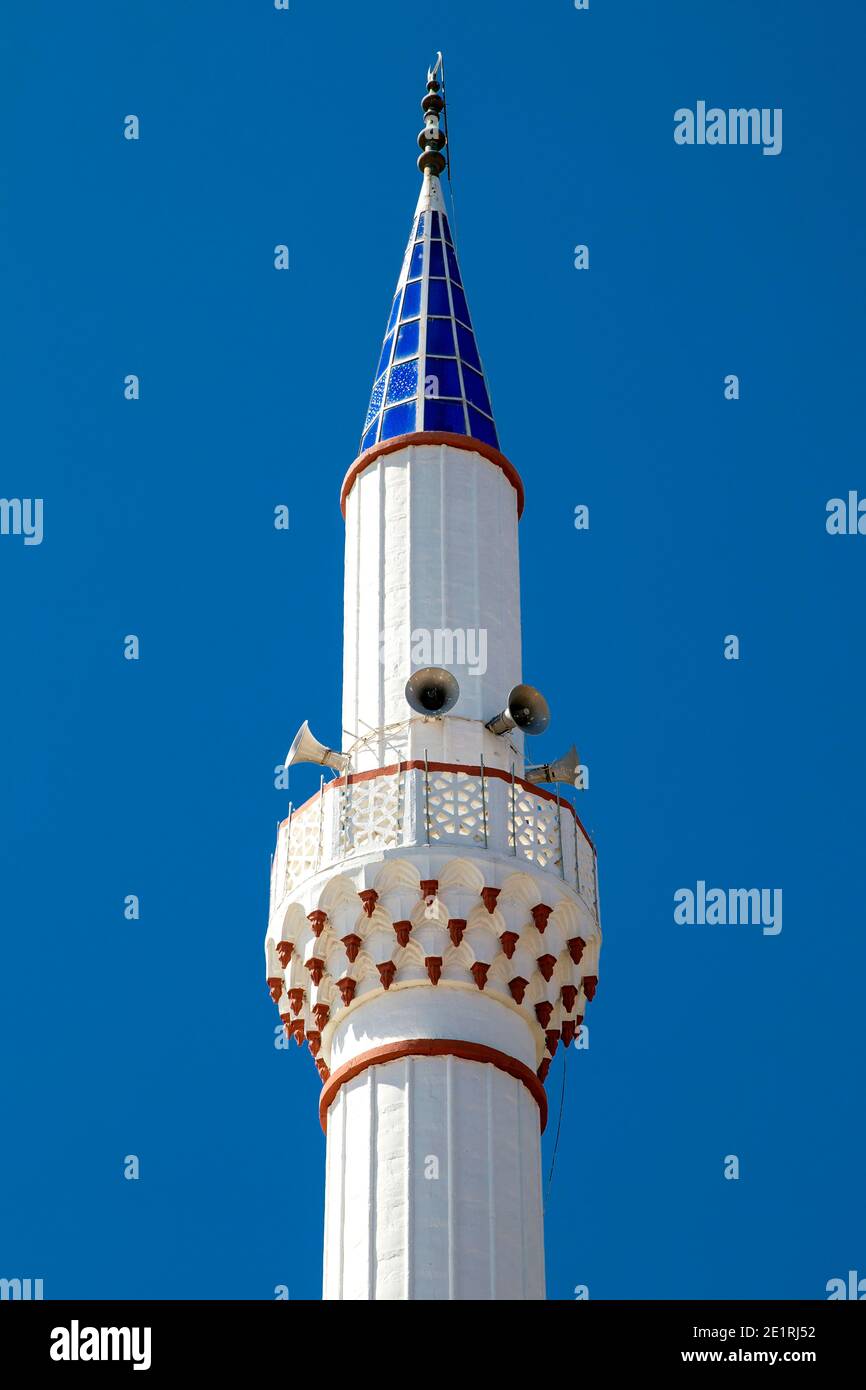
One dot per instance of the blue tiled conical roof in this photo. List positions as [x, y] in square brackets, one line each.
[429, 375]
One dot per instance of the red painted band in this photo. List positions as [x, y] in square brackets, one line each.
[432, 1047]
[456, 441]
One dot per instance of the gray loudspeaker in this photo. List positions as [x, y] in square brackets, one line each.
[527, 710]
[432, 691]
[565, 769]
[307, 749]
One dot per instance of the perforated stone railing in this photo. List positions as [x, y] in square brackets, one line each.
[413, 804]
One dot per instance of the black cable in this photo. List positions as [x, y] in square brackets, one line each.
[558, 1128]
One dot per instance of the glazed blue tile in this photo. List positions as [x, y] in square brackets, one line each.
[444, 415]
[468, 350]
[417, 261]
[440, 337]
[461, 308]
[437, 302]
[407, 341]
[376, 399]
[411, 301]
[437, 259]
[476, 391]
[400, 419]
[386, 353]
[447, 378]
[402, 383]
[482, 428]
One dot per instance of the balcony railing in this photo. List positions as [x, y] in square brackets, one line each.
[414, 804]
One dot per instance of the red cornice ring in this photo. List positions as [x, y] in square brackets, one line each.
[432, 1047]
[457, 441]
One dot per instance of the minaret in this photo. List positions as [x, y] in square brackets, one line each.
[434, 927]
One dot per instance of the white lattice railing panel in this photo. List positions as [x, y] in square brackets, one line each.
[303, 853]
[456, 807]
[586, 872]
[535, 830]
[370, 813]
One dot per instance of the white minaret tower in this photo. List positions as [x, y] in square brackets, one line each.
[434, 923]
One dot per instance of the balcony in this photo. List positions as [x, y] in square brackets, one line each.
[409, 805]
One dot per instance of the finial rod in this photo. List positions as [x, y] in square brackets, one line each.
[432, 139]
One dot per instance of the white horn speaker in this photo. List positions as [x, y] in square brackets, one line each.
[565, 769]
[527, 710]
[432, 690]
[307, 749]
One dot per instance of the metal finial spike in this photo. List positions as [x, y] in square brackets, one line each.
[431, 139]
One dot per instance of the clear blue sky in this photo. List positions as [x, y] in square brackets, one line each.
[155, 1038]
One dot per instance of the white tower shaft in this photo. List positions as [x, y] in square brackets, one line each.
[433, 1185]
[431, 566]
